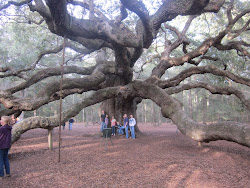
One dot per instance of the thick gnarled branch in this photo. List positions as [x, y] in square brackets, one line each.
[20, 73]
[213, 89]
[43, 96]
[52, 122]
[199, 70]
[14, 3]
[171, 108]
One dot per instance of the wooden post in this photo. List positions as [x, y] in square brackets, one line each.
[50, 142]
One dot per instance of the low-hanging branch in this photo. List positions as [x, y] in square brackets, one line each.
[42, 97]
[213, 89]
[49, 72]
[171, 108]
[52, 122]
[199, 70]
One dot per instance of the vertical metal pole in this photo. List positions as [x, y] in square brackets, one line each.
[60, 113]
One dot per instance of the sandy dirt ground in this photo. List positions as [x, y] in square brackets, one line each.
[159, 158]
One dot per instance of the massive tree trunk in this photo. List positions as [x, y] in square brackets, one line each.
[119, 106]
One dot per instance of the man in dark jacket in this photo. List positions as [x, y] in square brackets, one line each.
[5, 143]
[102, 119]
[71, 121]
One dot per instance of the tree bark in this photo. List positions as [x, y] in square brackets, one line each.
[171, 108]
[117, 107]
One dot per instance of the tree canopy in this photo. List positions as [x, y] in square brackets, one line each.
[122, 52]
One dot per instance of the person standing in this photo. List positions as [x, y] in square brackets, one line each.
[132, 124]
[113, 122]
[5, 143]
[63, 125]
[126, 124]
[71, 121]
[102, 119]
[106, 121]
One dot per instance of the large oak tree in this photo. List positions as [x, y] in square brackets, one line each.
[112, 82]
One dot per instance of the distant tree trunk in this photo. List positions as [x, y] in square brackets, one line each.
[83, 118]
[23, 95]
[190, 104]
[87, 117]
[153, 114]
[55, 113]
[144, 112]
[195, 115]
[181, 98]
[190, 101]
[204, 119]
[159, 116]
[91, 115]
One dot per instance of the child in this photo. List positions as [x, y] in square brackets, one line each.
[118, 128]
[106, 121]
[113, 121]
[5, 143]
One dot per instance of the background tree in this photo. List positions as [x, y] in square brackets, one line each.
[109, 44]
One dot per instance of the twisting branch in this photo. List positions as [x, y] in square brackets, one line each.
[231, 131]
[233, 34]
[86, 5]
[189, 7]
[167, 62]
[139, 8]
[198, 70]
[52, 122]
[171, 108]
[19, 73]
[122, 15]
[213, 89]
[8, 112]
[10, 71]
[234, 45]
[182, 39]
[214, 6]
[155, 56]
[229, 11]
[48, 72]
[14, 3]
[48, 92]
[196, 63]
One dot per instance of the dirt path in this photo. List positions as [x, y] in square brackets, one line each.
[161, 158]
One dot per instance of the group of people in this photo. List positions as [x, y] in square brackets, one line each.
[128, 124]
[71, 121]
